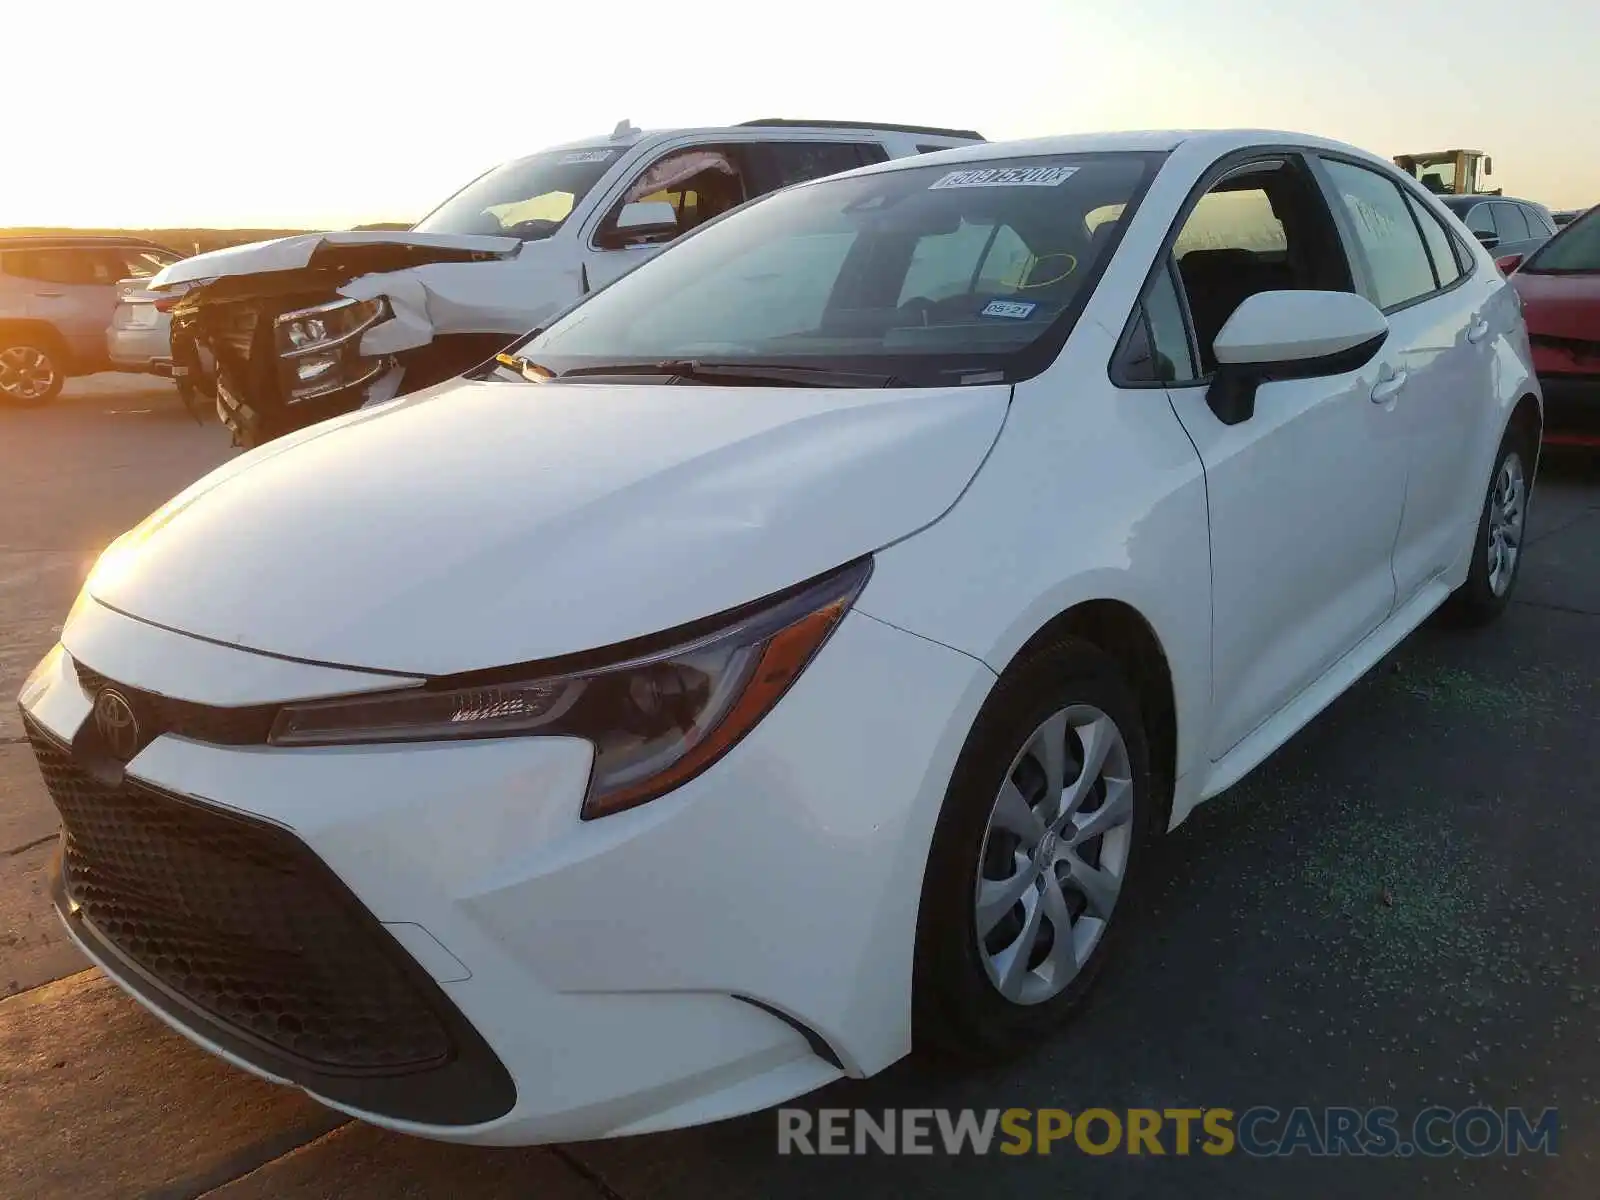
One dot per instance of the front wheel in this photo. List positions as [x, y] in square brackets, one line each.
[1036, 847]
[1502, 530]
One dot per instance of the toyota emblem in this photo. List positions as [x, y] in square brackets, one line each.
[116, 724]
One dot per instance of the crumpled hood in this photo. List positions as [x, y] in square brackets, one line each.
[483, 524]
[308, 249]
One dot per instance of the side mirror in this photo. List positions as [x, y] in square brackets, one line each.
[1290, 335]
[1488, 240]
[645, 219]
[1488, 166]
[1508, 263]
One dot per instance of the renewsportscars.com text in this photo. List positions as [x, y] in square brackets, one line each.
[1258, 1132]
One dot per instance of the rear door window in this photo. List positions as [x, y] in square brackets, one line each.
[1397, 261]
[61, 266]
[779, 164]
[1509, 223]
[1441, 247]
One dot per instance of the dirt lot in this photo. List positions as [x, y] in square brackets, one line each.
[1399, 909]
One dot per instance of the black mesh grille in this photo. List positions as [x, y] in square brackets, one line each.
[247, 726]
[240, 920]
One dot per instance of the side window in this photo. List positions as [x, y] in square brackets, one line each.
[134, 263]
[1509, 222]
[1156, 347]
[700, 183]
[1006, 263]
[946, 264]
[1396, 258]
[57, 266]
[1238, 218]
[1481, 220]
[1262, 228]
[1441, 246]
[1540, 222]
[797, 162]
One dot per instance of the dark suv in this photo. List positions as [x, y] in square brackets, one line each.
[57, 295]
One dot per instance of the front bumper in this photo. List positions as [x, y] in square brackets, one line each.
[726, 947]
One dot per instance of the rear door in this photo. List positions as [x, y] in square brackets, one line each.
[71, 288]
[1409, 266]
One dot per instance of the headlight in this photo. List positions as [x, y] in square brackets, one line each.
[319, 349]
[656, 719]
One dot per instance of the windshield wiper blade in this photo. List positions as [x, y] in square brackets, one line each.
[734, 373]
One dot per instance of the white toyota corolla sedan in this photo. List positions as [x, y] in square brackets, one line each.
[784, 657]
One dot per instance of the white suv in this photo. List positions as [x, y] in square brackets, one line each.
[291, 331]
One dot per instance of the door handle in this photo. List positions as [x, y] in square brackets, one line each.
[1389, 388]
[48, 295]
[1478, 332]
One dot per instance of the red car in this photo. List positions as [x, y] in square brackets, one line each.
[1560, 288]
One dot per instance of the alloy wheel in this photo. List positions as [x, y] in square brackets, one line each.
[26, 373]
[1055, 854]
[1507, 507]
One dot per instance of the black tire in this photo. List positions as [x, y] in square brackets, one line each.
[1476, 602]
[957, 1009]
[40, 357]
[190, 397]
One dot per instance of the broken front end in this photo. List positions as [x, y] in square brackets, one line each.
[278, 351]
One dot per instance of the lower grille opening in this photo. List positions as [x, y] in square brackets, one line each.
[237, 929]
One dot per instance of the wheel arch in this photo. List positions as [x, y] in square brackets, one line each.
[41, 333]
[1122, 632]
[1528, 416]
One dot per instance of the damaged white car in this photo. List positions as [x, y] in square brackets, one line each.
[285, 333]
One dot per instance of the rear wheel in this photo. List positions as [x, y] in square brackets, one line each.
[1502, 529]
[30, 373]
[1035, 850]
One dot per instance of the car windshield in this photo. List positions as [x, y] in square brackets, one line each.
[929, 274]
[1573, 251]
[528, 199]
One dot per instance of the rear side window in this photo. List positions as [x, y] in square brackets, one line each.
[1397, 261]
[798, 162]
[1480, 219]
[1441, 246]
[1509, 223]
[58, 266]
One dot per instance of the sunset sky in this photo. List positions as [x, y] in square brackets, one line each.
[231, 115]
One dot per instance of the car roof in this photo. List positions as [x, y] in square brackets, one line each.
[1205, 142]
[1469, 201]
[73, 241]
[632, 137]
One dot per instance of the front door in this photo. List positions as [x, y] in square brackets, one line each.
[699, 182]
[1304, 495]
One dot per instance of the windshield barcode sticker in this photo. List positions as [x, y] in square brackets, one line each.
[1017, 310]
[1005, 177]
[586, 156]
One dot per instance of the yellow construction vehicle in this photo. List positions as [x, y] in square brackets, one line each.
[1449, 172]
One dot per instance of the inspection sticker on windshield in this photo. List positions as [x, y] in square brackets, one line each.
[586, 156]
[1017, 310]
[1005, 177]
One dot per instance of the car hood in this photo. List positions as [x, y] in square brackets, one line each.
[483, 524]
[370, 249]
[1562, 306]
